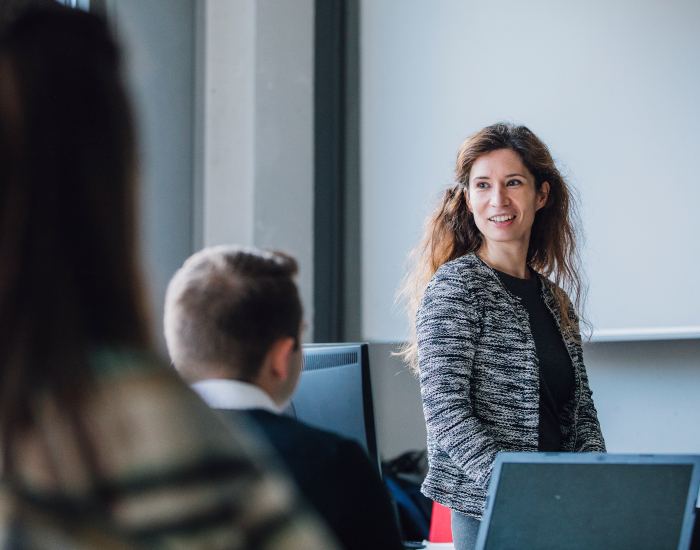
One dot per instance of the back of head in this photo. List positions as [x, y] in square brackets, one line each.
[225, 308]
[68, 269]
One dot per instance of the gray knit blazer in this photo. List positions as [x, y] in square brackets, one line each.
[479, 377]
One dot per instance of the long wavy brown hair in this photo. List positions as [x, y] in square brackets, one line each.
[450, 231]
[69, 277]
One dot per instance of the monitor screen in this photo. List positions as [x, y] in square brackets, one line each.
[335, 393]
[575, 501]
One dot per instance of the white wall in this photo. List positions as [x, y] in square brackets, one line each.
[646, 395]
[225, 122]
[223, 97]
[157, 38]
[284, 136]
[254, 176]
[397, 403]
[611, 87]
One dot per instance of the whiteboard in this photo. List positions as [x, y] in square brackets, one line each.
[612, 87]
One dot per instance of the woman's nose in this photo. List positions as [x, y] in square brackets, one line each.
[499, 196]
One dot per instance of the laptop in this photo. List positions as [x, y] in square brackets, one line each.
[590, 501]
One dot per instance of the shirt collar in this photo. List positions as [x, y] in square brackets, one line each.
[234, 394]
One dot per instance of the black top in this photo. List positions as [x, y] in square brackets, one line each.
[336, 477]
[556, 370]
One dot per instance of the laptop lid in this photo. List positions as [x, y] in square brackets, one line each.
[572, 501]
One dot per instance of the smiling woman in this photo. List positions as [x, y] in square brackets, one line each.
[503, 198]
[453, 231]
[497, 343]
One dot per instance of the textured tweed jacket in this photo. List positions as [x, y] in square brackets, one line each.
[479, 377]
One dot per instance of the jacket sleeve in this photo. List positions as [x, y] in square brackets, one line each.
[448, 330]
[588, 437]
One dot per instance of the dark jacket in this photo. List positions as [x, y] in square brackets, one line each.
[336, 477]
[479, 376]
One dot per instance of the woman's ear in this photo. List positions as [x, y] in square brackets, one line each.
[543, 195]
[466, 199]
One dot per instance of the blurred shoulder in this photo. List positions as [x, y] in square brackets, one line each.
[174, 472]
[142, 416]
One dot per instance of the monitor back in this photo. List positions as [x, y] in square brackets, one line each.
[572, 501]
[335, 393]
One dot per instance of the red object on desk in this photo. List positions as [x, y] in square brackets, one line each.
[440, 524]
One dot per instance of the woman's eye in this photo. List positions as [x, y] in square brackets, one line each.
[514, 182]
[481, 185]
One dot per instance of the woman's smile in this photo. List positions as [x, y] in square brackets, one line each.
[502, 221]
[503, 198]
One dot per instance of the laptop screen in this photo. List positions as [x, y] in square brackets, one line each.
[584, 501]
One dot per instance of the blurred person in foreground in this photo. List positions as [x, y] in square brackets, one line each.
[102, 445]
[233, 324]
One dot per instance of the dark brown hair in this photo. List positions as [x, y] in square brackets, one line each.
[227, 305]
[68, 266]
[451, 232]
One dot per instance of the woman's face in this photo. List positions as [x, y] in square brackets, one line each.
[503, 198]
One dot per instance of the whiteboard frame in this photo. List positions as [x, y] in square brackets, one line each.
[634, 334]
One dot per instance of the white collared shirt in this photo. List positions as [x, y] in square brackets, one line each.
[234, 394]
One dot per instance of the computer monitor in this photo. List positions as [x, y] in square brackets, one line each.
[580, 501]
[335, 393]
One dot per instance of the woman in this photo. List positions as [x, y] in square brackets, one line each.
[102, 445]
[497, 342]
